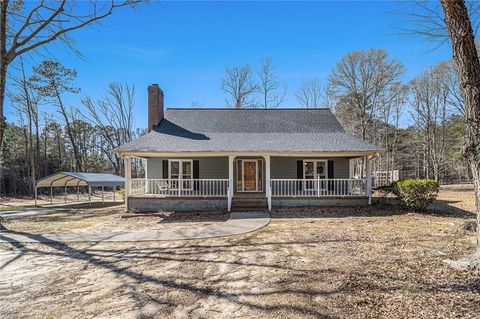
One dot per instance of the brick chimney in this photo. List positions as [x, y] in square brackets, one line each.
[155, 106]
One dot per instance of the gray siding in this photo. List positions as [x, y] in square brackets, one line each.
[217, 167]
[154, 167]
[213, 167]
[286, 167]
[209, 167]
[341, 167]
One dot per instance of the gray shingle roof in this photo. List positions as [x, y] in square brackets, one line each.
[248, 130]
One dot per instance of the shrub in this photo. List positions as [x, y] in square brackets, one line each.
[121, 191]
[416, 193]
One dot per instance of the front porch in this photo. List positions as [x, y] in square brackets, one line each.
[215, 181]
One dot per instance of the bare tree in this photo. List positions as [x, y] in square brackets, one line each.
[309, 95]
[466, 59]
[113, 116]
[429, 111]
[269, 86]
[391, 109]
[52, 80]
[26, 28]
[366, 77]
[26, 102]
[240, 87]
[450, 82]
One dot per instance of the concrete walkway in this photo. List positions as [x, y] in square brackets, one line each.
[239, 223]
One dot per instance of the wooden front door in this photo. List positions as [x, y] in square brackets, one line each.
[249, 176]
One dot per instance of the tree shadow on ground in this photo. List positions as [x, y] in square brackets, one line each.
[104, 261]
[115, 261]
[86, 205]
[62, 215]
[445, 208]
[187, 217]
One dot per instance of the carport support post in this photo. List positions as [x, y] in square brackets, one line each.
[65, 195]
[90, 195]
[51, 194]
[78, 191]
[103, 200]
[114, 188]
[35, 195]
[369, 180]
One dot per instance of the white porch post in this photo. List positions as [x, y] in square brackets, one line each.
[230, 181]
[128, 177]
[350, 175]
[147, 185]
[369, 179]
[267, 182]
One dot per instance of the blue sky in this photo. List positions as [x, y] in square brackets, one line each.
[185, 47]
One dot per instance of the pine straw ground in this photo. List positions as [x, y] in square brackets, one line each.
[320, 263]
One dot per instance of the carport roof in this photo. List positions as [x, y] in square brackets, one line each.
[80, 179]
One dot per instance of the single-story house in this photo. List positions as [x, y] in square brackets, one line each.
[212, 158]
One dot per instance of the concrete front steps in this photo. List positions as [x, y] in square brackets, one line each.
[249, 202]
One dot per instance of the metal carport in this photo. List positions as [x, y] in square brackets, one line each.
[75, 179]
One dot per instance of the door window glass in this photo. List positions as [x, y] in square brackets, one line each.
[174, 169]
[309, 169]
[239, 176]
[321, 170]
[260, 175]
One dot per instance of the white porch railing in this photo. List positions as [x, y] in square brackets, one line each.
[318, 187]
[180, 187]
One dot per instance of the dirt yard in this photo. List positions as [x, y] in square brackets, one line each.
[18, 203]
[377, 262]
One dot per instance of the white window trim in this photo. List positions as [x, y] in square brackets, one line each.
[180, 172]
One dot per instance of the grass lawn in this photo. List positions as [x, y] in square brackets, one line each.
[307, 263]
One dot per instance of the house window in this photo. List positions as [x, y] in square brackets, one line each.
[180, 172]
[314, 169]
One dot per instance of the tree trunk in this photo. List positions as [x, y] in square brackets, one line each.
[37, 145]
[467, 66]
[76, 153]
[30, 112]
[3, 77]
